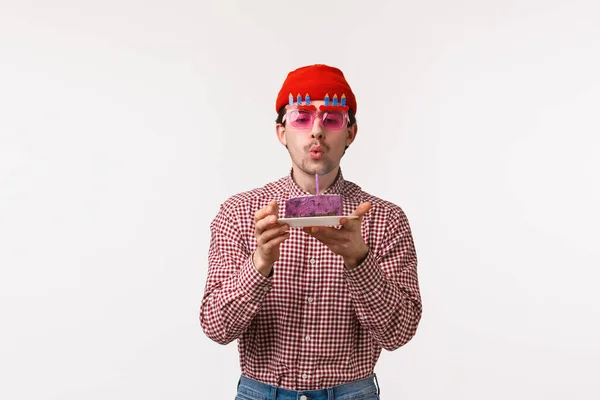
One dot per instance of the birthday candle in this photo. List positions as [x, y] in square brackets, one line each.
[291, 100]
[343, 100]
[307, 99]
[299, 99]
[326, 99]
[317, 183]
[335, 100]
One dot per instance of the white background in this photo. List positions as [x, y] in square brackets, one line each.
[125, 124]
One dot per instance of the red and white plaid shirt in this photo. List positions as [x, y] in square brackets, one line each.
[312, 324]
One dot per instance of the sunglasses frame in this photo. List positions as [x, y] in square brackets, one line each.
[323, 110]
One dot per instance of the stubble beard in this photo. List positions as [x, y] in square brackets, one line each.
[312, 167]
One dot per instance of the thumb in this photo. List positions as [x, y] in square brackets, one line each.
[273, 207]
[362, 209]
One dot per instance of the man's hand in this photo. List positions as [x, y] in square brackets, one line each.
[269, 236]
[346, 241]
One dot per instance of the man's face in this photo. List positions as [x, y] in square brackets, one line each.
[317, 149]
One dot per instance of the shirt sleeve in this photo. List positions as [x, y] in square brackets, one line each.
[234, 289]
[385, 289]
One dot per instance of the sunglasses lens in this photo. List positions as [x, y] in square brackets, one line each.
[333, 120]
[301, 119]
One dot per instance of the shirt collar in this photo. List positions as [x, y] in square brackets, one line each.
[337, 187]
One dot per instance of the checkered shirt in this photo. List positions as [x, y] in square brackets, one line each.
[312, 324]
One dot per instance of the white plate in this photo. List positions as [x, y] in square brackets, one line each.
[328, 220]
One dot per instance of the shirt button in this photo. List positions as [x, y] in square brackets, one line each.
[309, 299]
[307, 338]
[266, 288]
[304, 376]
[303, 397]
[312, 261]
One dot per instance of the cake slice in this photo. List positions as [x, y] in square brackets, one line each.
[313, 206]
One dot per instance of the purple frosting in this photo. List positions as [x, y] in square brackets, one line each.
[313, 206]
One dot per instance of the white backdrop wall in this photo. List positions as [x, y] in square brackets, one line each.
[125, 124]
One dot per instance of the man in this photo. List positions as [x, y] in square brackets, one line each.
[311, 307]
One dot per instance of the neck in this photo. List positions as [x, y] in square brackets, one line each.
[307, 181]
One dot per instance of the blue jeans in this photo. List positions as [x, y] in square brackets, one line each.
[364, 389]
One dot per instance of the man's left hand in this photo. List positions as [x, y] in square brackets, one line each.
[347, 240]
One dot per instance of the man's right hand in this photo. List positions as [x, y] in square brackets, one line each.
[269, 236]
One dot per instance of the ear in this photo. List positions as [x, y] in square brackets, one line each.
[280, 129]
[352, 131]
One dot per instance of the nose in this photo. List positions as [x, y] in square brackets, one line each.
[317, 131]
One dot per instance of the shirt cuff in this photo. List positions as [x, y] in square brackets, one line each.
[366, 278]
[252, 283]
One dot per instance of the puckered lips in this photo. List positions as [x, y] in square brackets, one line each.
[316, 152]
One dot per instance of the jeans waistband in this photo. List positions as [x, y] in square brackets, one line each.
[250, 387]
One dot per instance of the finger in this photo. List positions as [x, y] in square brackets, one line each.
[260, 214]
[266, 223]
[273, 243]
[362, 209]
[323, 229]
[273, 207]
[350, 223]
[272, 233]
[270, 209]
[327, 234]
[330, 242]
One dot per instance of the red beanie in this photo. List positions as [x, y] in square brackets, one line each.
[316, 81]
